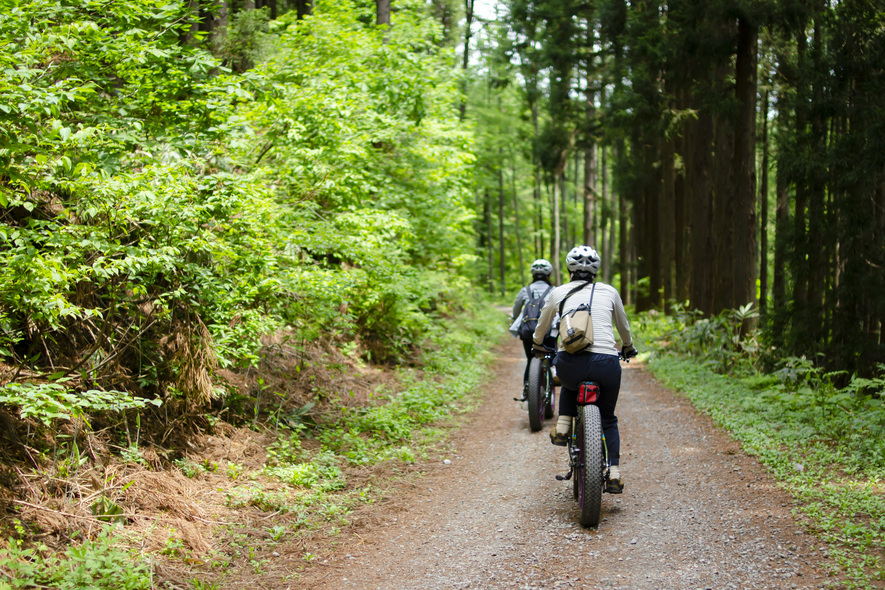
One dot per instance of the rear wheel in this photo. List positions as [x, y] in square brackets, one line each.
[590, 480]
[536, 396]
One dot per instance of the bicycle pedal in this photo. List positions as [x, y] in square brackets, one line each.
[565, 477]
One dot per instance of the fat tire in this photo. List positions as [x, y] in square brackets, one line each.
[590, 473]
[535, 396]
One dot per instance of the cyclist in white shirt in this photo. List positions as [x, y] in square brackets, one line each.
[599, 361]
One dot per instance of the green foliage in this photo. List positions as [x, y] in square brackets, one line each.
[722, 341]
[53, 401]
[97, 564]
[159, 213]
[321, 473]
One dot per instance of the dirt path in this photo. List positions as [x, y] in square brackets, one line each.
[696, 513]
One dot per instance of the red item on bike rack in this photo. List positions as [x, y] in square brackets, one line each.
[588, 391]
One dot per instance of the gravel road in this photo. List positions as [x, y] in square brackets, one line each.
[696, 512]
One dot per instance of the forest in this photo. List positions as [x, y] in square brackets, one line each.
[718, 154]
[215, 212]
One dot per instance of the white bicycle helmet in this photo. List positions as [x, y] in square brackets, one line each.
[583, 259]
[541, 268]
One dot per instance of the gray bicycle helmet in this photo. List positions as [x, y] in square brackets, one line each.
[583, 259]
[541, 268]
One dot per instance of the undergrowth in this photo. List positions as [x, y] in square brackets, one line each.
[313, 478]
[99, 564]
[822, 434]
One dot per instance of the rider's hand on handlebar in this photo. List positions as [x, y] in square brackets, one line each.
[539, 350]
[628, 352]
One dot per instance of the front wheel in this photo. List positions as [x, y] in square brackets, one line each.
[591, 463]
[536, 395]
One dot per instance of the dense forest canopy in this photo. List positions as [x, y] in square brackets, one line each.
[720, 155]
[178, 179]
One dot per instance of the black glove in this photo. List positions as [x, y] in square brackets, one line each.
[628, 352]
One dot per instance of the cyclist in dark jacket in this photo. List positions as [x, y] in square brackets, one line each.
[599, 361]
[539, 287]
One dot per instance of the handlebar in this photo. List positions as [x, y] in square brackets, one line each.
[543, 351]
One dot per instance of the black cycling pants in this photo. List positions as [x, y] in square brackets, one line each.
[604, 369]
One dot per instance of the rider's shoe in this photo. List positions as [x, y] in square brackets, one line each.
[613, 483]
[557, 438]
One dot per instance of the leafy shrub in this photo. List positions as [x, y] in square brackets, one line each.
[721, 341]
[53, 401]
[92, 565]
[321, 472]
[159, 214]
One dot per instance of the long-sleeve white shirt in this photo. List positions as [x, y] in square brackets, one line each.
[607, 312]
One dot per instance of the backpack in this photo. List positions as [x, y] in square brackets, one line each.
[531, 312]
[576, 326]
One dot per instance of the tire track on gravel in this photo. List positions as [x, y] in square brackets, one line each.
[696, 512]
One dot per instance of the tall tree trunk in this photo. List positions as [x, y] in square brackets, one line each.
[554, 240]
[724, 198]
[382, 12]
[518, 228]
[563, 214]
[683, 237]
[536, 172]
[723, 223]
[782, 237]
[303, 8]
[222, 16]
[818, 231]
[652, 239]
[468, 33]
[745, 253]
[763, 212]
[502, 263]
[667, 222]
[490, 248]
[698, 164]
[608, 196]
[590, 196]
[801, 319]
[623, 235]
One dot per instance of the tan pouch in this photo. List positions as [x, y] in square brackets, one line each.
[576, 329]
[576, 326]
